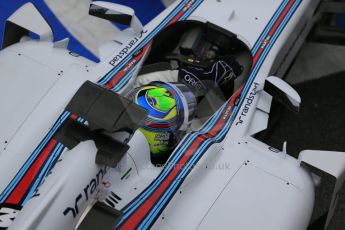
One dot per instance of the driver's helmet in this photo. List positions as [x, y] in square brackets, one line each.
[171, 107]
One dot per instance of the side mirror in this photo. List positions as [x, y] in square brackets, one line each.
[283, 92]
[116, 13]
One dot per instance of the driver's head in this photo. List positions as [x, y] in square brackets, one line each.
[170, 108]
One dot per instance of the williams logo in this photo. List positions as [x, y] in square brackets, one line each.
[249, 101]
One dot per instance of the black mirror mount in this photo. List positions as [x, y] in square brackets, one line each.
[116, 13]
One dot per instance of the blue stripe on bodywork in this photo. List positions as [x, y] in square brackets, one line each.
[208, 142]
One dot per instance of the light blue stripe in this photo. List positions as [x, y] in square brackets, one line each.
[125, 79]
[171, 188]
[195, 158]
[143, 198]
[81, 120]
[42, 145]
[187, 13]
[24, 168]
[263, 56]
[167, 171]
[141, 44]
[182, 148]
[160, 178]
[177, 155]
[43, 172]
[273, 20]
[190, 11]
[172, 162]
[192, 162]
[152, 34]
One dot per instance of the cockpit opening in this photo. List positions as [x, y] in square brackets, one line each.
[192, 69]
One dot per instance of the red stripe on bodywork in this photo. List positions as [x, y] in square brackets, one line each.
[141, 212]
[136, 217]
[29, 177]
[272, 31]
[119, 75]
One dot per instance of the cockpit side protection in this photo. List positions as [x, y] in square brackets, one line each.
[106, 112]
[105, 109]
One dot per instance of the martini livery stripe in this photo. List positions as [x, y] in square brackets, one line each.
[145, 208]
[187, 143]
[30, 176]
[129, 66]
[186, 8]
[20, 190]
[182, 9]
[31, 160]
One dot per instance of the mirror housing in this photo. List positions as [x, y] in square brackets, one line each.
[283, 92]
[116, 13]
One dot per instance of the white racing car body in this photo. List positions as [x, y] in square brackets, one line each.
[218, 176]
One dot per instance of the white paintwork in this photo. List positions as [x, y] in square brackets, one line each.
[239, 183]
[261, 114]
[248, 192]
[36, 24]
[90, 31]
[62, 43]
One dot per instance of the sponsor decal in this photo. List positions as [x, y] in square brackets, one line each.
[146, 208]
[143, 211]
[87, 192]
[248, 103]
[191, 80]
[26, 182]
[127, 48]
[265, 42]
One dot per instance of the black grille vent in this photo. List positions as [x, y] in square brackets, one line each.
[112, 199]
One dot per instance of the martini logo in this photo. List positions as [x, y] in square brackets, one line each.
[189, 5]
[265, 42]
